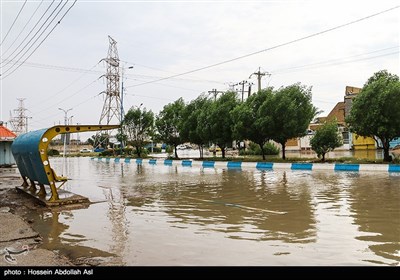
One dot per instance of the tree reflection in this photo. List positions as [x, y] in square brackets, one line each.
[376, 210]
[246, 208]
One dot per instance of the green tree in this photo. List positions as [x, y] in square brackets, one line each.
[138, 126]
[220, 120]
[204, 124]
[168, 122]
[189, 126]
[326, 139]
[251, 123]
[290, 111]
[375, 110]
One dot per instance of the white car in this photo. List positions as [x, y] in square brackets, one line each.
[85, 150]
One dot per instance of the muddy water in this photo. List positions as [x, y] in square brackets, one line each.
[168, 215]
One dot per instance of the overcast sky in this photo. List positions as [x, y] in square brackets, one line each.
[164, 38]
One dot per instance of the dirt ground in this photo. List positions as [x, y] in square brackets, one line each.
[20, 245]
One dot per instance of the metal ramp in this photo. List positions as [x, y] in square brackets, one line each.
[30, 153]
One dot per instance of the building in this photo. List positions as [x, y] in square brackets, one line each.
[338, 113]
[6, 139]
[356, 142]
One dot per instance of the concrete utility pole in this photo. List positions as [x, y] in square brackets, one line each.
[215, 92]
[242, 83]
[65, 136]
[259, 75]
[122, 105]
[249, 92]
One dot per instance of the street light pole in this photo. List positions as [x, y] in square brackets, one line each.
[65, 136]
[122, 106]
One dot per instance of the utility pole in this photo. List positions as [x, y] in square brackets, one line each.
[215, 92]
[65, 138]
[122, 105]
[259, 75]
[242, 83]
[249, 92]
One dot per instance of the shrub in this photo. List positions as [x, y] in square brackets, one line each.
[254, 149]
[53, 152]
[155, 150]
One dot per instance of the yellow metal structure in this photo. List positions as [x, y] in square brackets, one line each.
[363, 143]
[28, 161]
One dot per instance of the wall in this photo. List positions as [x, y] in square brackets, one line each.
[6, 157]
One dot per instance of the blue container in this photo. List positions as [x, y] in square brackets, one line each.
[265, 165]
[209, 164]
[346, 167]
[234, 165]
[394, 168]
[301, 166]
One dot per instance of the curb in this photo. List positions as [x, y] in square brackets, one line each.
[259, 165]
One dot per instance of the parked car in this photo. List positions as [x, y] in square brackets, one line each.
[214, 149]
[85, 150]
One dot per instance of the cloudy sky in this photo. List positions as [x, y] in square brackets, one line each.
[161, 39]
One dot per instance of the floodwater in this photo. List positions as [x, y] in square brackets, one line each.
[174, 215]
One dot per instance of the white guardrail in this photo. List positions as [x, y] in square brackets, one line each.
[259, 165]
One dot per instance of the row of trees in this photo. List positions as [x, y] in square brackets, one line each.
[269, 114]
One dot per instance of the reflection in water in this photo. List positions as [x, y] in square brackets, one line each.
[238, 206]
[53, 227]
[376, 210]
[174, 215]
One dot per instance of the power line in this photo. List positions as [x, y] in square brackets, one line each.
[161, 84]
[271, 48]
[23, 28]
[51, 116]
[8, 32]
[329, 63]
[44, 30]
[43, 39]
[158, 69]
[60, 68]
[27, 36]
[70, 84]
[67, 97]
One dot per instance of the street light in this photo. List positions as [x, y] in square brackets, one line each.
[122, 104]
[65, 135]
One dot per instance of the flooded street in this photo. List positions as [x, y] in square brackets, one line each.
[174, 215]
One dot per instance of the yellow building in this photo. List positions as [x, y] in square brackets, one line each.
[357, 142]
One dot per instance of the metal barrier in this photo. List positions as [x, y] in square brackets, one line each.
[30, 153]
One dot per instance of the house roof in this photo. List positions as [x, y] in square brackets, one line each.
[337, 113]
[6, 134]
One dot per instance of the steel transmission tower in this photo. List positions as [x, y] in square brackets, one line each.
[19, 122]
[111, 108]
[111, 112]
